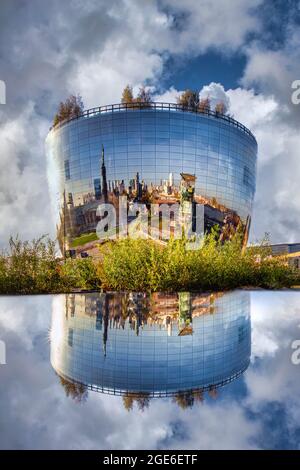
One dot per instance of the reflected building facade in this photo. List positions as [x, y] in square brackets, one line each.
[151, 345]
[147, 150]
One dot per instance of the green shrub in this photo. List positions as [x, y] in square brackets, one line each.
[130, 263]
[139, 265]
[144, 265]
[29, 267]
[79, 273]
[33, 268]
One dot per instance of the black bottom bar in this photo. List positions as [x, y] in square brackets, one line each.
[134, 459]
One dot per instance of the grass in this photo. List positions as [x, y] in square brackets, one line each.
[83, 239]
[143, 265]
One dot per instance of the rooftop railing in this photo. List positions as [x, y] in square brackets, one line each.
[157, 394]
[115, 108]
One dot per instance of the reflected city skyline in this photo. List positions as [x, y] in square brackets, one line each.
[142, 346]
[148, 155]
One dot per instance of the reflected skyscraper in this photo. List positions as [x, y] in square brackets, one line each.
[147, 149]
[103, 177]
[158, 345]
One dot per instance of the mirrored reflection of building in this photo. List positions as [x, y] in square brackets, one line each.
[151, 345]
[158, 154]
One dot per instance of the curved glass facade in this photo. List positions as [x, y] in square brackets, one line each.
[146, 150]
[158, 345]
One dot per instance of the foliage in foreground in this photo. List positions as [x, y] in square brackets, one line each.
[33, 267]
[143, 265]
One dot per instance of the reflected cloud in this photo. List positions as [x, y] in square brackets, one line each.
[260, 409]
[157, 345]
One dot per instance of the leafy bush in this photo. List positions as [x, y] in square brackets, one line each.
[128, 264]
[144, 265]
[79, 273]
[33, 268]
[29, 267]
[138, 265]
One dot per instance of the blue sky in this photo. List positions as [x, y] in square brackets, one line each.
[198, 72]
[247, 53]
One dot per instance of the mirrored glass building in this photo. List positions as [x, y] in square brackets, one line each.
[149, 151]
[151, 345]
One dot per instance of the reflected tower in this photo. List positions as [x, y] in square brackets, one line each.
[103, 177]
[148, 149]
[161, 346]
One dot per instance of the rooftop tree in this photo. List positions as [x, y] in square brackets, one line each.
[189, 99]
[204, 105]
[143, 98]
[220, 108]
[72, 107]
[127, 95]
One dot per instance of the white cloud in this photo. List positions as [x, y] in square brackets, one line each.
[273, 71]
[93, 48]
[278, 210]
[142, 33]
[252, 109]
[244, 415]
[23, 186]
[96, 48]
[102, 81]
[102, 422]
[277, 204]
[209, 24]
[169, 96]
[273, 379]
[271, 329]
[216, 94]
[16, 318]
